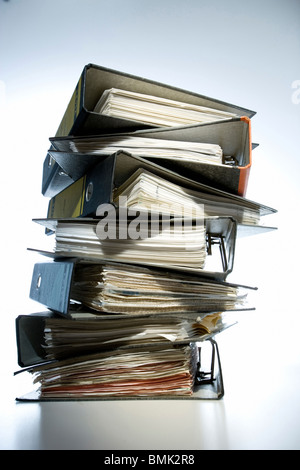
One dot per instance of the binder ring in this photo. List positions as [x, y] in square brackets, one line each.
[89, 191]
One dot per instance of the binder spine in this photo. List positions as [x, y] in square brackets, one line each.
[73, 110]
[245, 170]
[82, 197]
[51, 283]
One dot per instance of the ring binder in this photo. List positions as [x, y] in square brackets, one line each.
[219, 231]
[210, 382]
[53, 285]
[116, 170]
[233, 136]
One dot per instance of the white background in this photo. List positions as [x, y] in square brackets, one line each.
[246, 53]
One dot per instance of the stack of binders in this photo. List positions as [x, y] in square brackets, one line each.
[146, 186]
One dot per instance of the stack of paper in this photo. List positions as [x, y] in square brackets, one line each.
[136, 290]
[155, 110]
[177, 245]
[146, 191]
[136, 372]
[151, 148]
[86, 333]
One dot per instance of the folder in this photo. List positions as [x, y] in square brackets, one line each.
[31, 350]
[205, 382]
[233, 136]
[55, 285]
[216, 248]
[95, 186]
[81, 119]
[45, 336]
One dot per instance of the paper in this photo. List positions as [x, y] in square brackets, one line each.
[150, 148]
[180, 246]
[136, 289]
[154, 110]
[82, 335]
[144, 190]
[156, 371]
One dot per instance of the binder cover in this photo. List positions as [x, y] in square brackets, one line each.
[233, 136]
[54, 179]
[30, 338]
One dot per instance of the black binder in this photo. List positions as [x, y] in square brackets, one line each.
[80, 118]
[94, 185]
[52, 283]
[233, 136]
[221, 234]
[208, 382]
